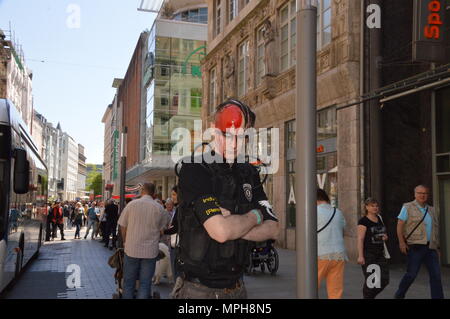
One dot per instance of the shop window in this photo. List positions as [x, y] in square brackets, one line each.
[327, 124]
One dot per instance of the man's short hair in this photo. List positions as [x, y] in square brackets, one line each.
[421, 186]
[322, 195]
[149, 188]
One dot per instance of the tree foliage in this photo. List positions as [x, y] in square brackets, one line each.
[94, 180]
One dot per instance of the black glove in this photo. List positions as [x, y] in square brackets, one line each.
[267, 211]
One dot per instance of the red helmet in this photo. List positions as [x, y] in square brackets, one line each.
[229, 116]
[233, 113]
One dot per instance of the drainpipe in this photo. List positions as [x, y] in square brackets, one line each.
[375, 127]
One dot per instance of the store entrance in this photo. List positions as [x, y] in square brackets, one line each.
[444, 208]
[442, 130]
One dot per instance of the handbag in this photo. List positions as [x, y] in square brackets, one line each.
[386, 251]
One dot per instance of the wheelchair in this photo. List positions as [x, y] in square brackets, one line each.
[262, 255]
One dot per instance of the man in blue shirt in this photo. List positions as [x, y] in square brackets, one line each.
[92, 220]
[418, 235]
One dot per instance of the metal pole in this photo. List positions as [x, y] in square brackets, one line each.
[305, 167]
[123, 168]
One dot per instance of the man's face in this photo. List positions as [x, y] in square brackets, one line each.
[421, 195]
[229, 135]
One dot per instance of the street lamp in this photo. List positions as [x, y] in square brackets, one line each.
[305, 166]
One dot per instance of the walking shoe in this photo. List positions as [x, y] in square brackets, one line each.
[63, 239]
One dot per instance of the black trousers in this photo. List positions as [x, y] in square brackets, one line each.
[376, 274]
[48, 231]
[77, 232]
[55, 228]
[110, 229]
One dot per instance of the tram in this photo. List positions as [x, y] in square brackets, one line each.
[23, 195]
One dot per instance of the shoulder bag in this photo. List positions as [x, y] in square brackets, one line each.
[326, 225]
[421, 221]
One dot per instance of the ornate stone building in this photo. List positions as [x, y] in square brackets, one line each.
[251, 56]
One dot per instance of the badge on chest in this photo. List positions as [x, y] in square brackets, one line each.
[248, 192]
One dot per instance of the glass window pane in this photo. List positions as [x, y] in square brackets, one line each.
[326, 21]
[326, 36]
[284, 15]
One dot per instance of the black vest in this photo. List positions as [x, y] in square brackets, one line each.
[216, 265]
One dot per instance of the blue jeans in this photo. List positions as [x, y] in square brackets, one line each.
[418, 255]
[141, 269]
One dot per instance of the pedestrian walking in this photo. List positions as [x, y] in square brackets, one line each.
[78, 219]
[223, 208]
[102, 221]
[140, 223]
[169, 209]
[112, 216]
[418, 236]
[85, 218]
[372, 251]
[58, 221]
[92, 220]
[49, 222]
[172, 231]
[330, 246]
[73, 208]
[66, 215]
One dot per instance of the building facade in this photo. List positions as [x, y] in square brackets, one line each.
[69, 167]
[112, 120]
[252, 55]
[82, 172]
[381, 101]
[15, 78]
[38, 130]
[162, 91]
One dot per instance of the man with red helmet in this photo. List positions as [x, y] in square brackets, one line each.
[222, 209]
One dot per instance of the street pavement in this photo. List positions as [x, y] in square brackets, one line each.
[46, 277]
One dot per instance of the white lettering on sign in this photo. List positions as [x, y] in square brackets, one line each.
[291, 196]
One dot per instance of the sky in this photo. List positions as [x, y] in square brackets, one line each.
[85, 45]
